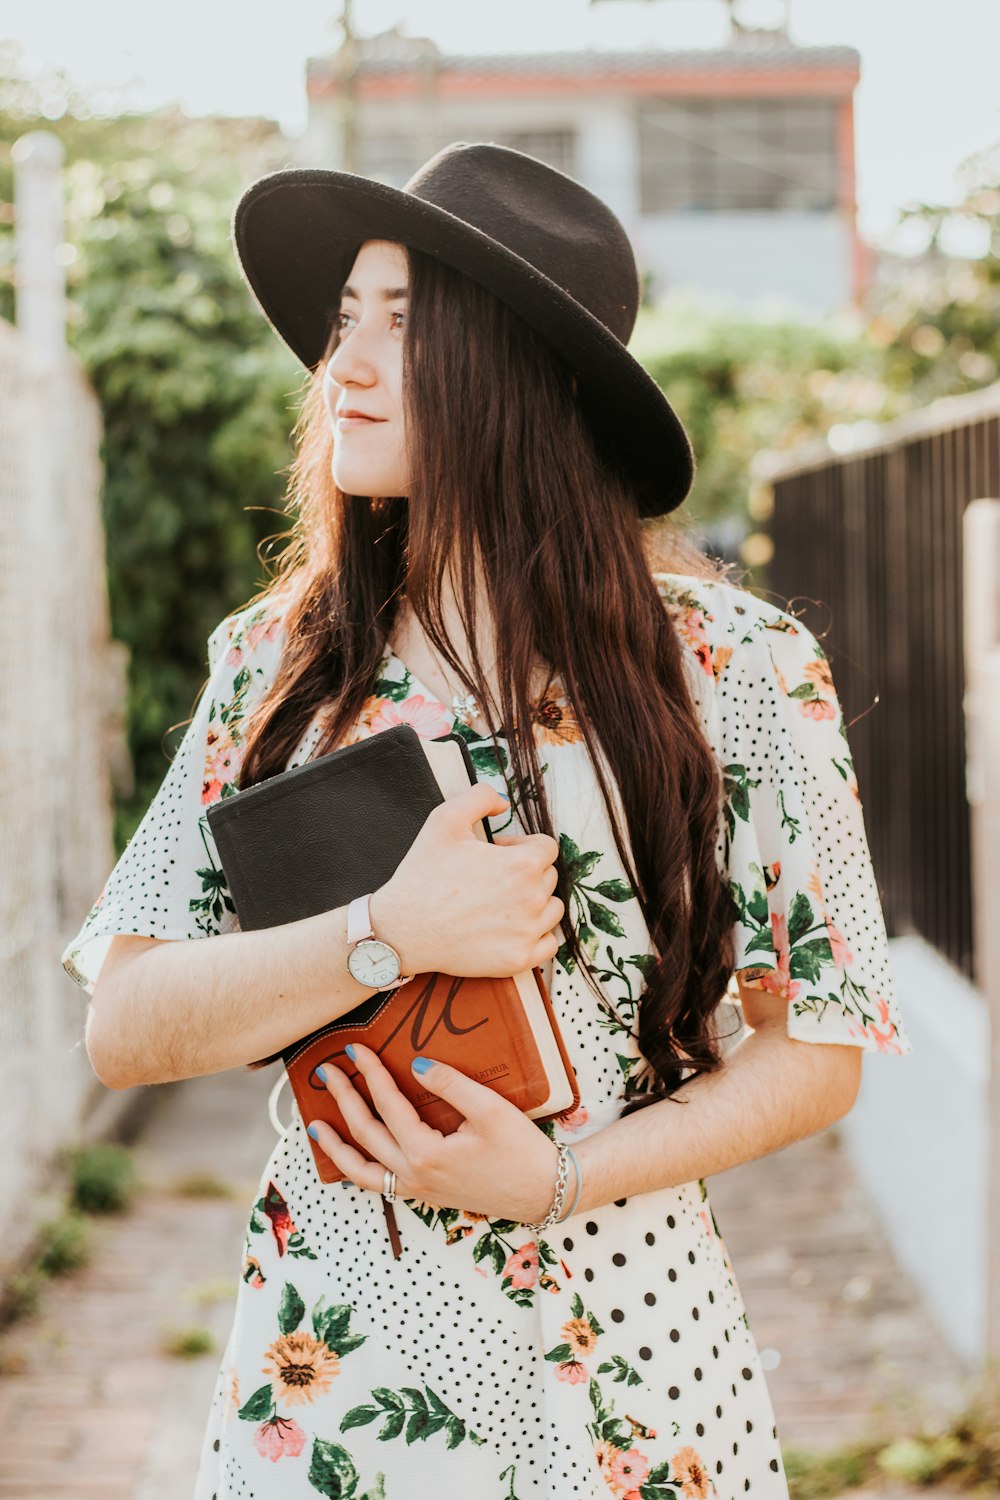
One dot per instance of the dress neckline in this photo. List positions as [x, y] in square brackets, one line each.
[554, 687]
[421, 687]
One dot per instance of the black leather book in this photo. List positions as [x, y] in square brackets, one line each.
[309, 840]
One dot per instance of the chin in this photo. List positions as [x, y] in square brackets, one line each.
[354, 479]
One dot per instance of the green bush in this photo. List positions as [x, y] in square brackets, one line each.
[103, 1179]
[64, 1244]
[964, 1454]
[203, 1185]
[22, 1295]
[197, 395]
[187, 1343]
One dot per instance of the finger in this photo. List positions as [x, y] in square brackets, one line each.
[356, 1167]
[478, 1104]
[553, 912]
[404, 1128]
[367, 1129]
[479, 801]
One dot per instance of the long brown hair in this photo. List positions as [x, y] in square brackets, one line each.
[503, 465]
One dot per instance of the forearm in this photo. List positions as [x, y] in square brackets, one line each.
[179, 1009]
[771, 1090]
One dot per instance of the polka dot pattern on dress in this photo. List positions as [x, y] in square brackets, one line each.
[613, 1351]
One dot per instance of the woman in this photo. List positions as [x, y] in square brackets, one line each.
[683, 813]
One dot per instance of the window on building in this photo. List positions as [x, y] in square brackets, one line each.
[737, 155]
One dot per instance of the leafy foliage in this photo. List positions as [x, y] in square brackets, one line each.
[939, 326]
[103, 1178]
[744, 383]
[198, 396]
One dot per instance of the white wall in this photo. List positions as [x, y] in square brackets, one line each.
[917, 1137]
[797, 260]
[607, 155]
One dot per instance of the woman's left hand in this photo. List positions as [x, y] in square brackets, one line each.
[498, 1162]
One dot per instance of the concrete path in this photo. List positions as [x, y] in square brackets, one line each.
[845, 1340]
[99, 1410]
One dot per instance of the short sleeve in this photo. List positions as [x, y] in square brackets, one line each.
[168, 881]
[809, 919]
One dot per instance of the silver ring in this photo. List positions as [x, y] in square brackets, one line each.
[389, 1186]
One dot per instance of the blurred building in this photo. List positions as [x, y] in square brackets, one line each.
[731, 168]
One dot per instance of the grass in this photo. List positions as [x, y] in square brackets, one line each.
[61, 1245]
[187, 1343]
[964, 1455]
[203, 1185]
[103, 1179]
[64, 1244]
[22, 1295]
[100, 1180]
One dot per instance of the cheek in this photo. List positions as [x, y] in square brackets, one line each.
[329, 389]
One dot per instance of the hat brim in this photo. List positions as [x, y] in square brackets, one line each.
[296, 233]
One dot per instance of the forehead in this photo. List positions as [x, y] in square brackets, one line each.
[377, 260]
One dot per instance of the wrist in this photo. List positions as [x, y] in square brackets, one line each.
[563, 1193]
[386, 925]
[574, 1188]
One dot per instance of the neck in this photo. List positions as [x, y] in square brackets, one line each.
[454, 629]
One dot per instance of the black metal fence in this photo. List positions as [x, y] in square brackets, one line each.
[868, 549]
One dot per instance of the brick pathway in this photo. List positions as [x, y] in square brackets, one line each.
[99, 1410]
[844, 1338]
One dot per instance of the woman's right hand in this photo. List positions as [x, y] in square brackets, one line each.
[458, 905]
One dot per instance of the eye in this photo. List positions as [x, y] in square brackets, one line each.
[338, 318]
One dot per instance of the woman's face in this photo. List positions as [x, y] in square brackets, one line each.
[365, 374]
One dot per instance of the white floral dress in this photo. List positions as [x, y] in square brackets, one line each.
[612, 1353]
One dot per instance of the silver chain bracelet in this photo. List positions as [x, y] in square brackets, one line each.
[562, 1177]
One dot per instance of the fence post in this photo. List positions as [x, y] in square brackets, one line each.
[41, 276]
[981, 565]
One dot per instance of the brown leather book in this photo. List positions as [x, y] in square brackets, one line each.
[310, 840]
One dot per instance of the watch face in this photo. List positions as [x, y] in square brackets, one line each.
[373, 963]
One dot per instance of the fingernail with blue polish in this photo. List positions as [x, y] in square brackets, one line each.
[421, 1064]
[349, 1049]
[313, 1132]
[320, 1074]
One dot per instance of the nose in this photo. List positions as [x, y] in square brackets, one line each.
[351, 362]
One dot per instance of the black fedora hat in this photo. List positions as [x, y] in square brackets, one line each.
[539, 241]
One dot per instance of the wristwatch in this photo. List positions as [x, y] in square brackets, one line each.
[370, 960]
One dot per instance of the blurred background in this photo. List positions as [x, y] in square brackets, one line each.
[813, 195]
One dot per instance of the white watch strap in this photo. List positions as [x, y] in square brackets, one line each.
[359, 919]
[359, 927]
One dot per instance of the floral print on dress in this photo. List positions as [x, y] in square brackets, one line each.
[799, 895]
[301, 1365]
[621, 1442]
[615, 1346]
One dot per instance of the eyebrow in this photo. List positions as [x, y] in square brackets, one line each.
[387, 293]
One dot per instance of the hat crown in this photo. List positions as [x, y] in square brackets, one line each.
[541, 243]
[540, 214]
